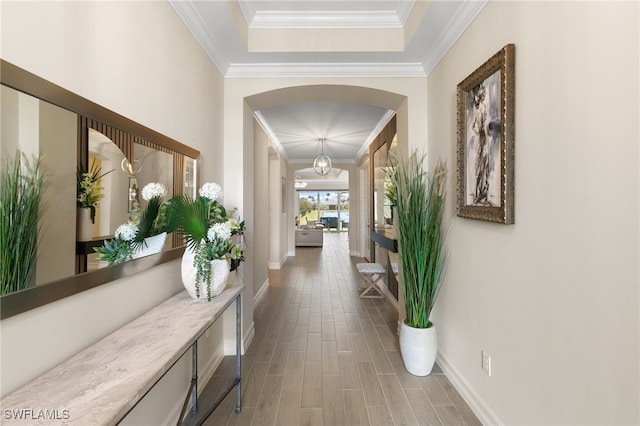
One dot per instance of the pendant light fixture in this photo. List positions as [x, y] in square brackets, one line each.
[322, 163]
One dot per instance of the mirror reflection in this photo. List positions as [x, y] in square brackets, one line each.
[39, 128]
[382, 212]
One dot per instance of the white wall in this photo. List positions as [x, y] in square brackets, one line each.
[554, 298]
[138, 59]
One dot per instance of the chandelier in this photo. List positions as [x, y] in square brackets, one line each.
[322, 163]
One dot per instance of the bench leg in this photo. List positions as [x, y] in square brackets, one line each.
[371, 291]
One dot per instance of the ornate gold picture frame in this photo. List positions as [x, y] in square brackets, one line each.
[485, 128]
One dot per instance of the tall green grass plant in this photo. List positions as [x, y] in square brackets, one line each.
[419, 201]
[21, 189]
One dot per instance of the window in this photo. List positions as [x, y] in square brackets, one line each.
[328, 207]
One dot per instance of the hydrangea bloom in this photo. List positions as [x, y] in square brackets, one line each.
[211, 190]
[219, 230]
[153, 190]
[126, 231]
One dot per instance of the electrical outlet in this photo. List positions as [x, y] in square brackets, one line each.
[486, 363]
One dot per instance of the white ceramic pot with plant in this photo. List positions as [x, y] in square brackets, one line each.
[419, 201]
[200, 284]
[211, 253]
[88, 196]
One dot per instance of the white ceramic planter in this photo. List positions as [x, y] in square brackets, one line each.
[219, 276]
[418, 347]
[151, 245]
[84, 226]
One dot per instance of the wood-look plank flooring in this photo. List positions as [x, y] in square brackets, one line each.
[323, 356]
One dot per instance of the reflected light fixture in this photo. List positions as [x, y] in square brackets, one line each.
[129, 168]
[299, 183]
[322, 163]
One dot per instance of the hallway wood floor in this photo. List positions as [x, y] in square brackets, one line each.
[323, 356]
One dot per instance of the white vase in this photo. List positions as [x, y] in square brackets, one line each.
[219, 276]
[151, 245]
[84, 226]
[418, 347]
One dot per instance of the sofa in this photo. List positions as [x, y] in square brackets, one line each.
[309, 237]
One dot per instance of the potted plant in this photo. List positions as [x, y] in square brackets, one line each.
[145, 234]
[419, 201]
[21, 188]
[211, 252]
[89, 194]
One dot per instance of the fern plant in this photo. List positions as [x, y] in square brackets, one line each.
[21, 187]
[419, 200]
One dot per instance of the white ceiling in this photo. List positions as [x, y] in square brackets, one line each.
[303, 38]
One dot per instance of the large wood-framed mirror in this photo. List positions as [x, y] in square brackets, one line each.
[382, 235]
[67, 131]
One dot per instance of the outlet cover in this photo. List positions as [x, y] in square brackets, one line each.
[486, 363]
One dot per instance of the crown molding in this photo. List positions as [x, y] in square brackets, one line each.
[272, 137]
[196, 25]
[292, 70]
[326, 19]
[467, 12]
[376, 131]
[404, 9]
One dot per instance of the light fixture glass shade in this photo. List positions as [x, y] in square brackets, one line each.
[322, 165]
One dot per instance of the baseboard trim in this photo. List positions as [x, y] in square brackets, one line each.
[260, 293]
[278, 265]
[464, 388]
[248, 338]
[388, 295]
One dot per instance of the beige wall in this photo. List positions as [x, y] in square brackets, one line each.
[57, 242]
[138, 59]
[554, 298]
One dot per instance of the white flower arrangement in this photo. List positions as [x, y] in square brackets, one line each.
[130, 237]
[220, 231]
[211, 191]
[152, 190]
[209, 232]
[126, 231]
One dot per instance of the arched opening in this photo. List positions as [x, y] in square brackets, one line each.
[351, 170]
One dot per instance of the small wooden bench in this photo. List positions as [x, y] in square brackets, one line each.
[371, 272]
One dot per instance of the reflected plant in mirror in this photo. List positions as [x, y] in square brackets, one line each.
[89, 187]
[21, 189]
[144, 233]
[66, 131]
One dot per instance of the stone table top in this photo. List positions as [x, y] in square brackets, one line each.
[102, 383]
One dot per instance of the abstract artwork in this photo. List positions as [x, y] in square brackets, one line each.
[485, 119]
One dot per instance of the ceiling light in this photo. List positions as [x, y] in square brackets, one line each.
[299, 183]
[322, 163]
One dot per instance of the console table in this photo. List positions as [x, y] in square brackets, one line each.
[101, 384]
